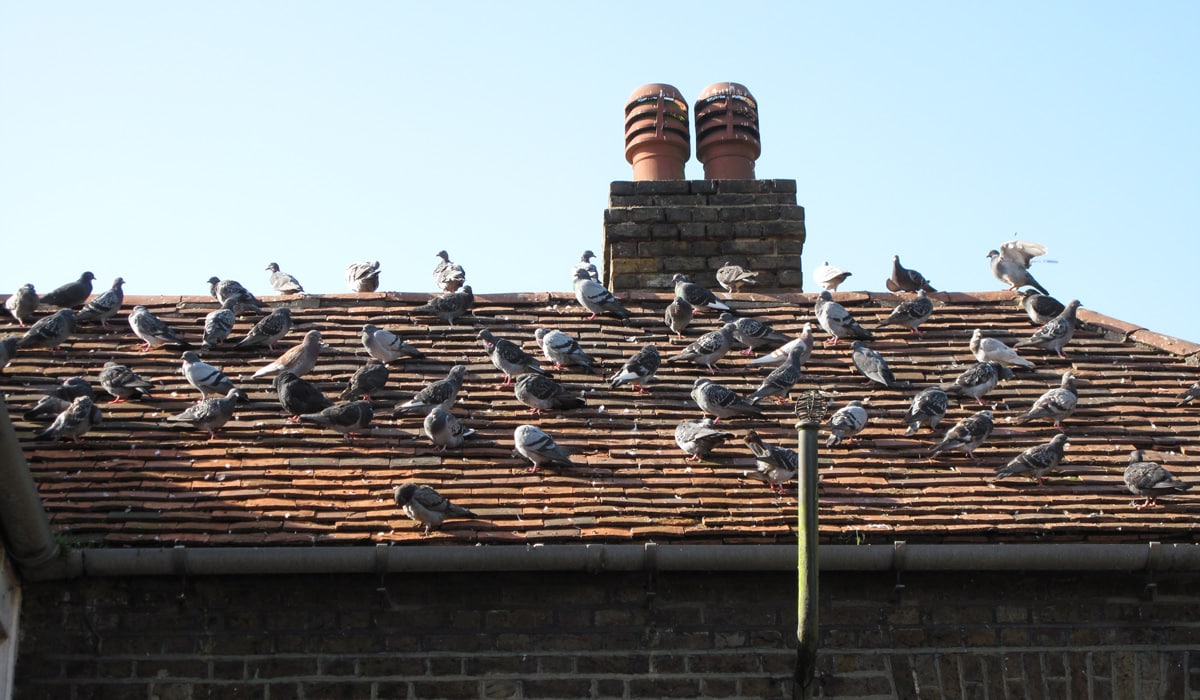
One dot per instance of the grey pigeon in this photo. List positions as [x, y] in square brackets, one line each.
[585, 263]
[966, 435]
[444, 429]
[708, 348]
[678, 315]
[448, 276]
[775, 465]
[72, 388]
[542, 393]
[733, 277]
[1057, 404]
[720, 401]
[449, 307]
[847, 422]
[71, 294]
[698, 438]
[233, 292]
[153, 331]
[1056, 333]
[829, 277]
[218, 325]
[837, 321]
[366, 380]
[696, 295]
[386, 346]
[978, 379]
[298, 396]
[282, 282]
[78, 418]
[349, 419]
[508, 357]
[47, 408]
[563, 350]
[1035, 461]
[994, 350]
[639, 370]
[1150, 479]
[1010, 264]
[871, 364]
[927, 408]
[596, 298]
[1039, 307]
[49, 331]
[753, 333]
[425, 505]
[911, 313]
[123, 383]
[363, 276]
[8, 350]
[782, 379]
[211, 414]
[104, 305]
[1186, 397]
[205, 377]
[906, 280]
[269, 329]
[59, 399]
[22, 304]
[299, 359]
[779, 355]
[539, 448]
[442, 393]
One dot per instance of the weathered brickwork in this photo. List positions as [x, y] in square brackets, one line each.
[560, 635]
[655, 229]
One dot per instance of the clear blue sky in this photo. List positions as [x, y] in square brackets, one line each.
[168, 142]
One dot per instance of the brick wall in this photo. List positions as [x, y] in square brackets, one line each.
[559, 635]
[655, 229]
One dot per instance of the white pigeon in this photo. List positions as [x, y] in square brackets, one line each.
[444, 429]
[282, 282]
[829, 277]
[994, 350]
[386, 346]
[539, 448]
[205, 377]
[153, 331]
[846, 422]
[596, 298]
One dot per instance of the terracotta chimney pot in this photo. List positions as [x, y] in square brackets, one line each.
[657, 140]
[727, 140]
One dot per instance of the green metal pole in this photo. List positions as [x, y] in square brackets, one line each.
[808, 628]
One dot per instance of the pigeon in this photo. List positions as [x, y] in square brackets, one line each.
[78, 418]
[585, 263]
[1035, 461]
[639, 370]
[753, 333]
[425, 505]
[678, 315]
[211, 414]
[978, 379]
[71, 294]
[1150, 479]
[846, 422]
[541, 393]
[871, 364]
[47, 408]
[696, 295]
[59, 399]
[349, 419]
[966, 435]
[366, 381]
[733, 277]
[203, 376]
[298, 396]
[906, 280]
[780, 355]
[448, 307]
[1041, 308]
[782, 379]
[299, 359]
[539, 448]
[282, 282]
[269, 330]
[363, 276]
[1056, 333]
[386, 346]
[829, 277]
[233, 292]
[8, 350]
[911, 313]
[837, 321]
[927, 408]
[448, 276]
[1186, 397]
[708, 349]
[218, 325]
[1010, 264]
[596, 298]
[775, 465]
[153, 331]
[1057, 404]
[123, 383]
[720, 401]
[994, 350]
[72, 388]
[698, 438]
[442, 393]
[22, 304]
[49, 331]
[445, 430]
[508, 357]
[563, 350]
[104, 305]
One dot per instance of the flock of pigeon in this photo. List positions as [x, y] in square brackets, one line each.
[74, 411]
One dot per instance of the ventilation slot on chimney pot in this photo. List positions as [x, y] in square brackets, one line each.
[657, 140]
[727, 140]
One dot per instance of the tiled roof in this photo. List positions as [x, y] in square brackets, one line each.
[137, 480]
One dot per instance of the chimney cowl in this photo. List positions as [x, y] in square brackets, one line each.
[657, 136]
[727, 137]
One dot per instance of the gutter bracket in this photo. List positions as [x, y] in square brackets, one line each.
[179, 568]
[899, 562]
[1154, 552]
[650, 563]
